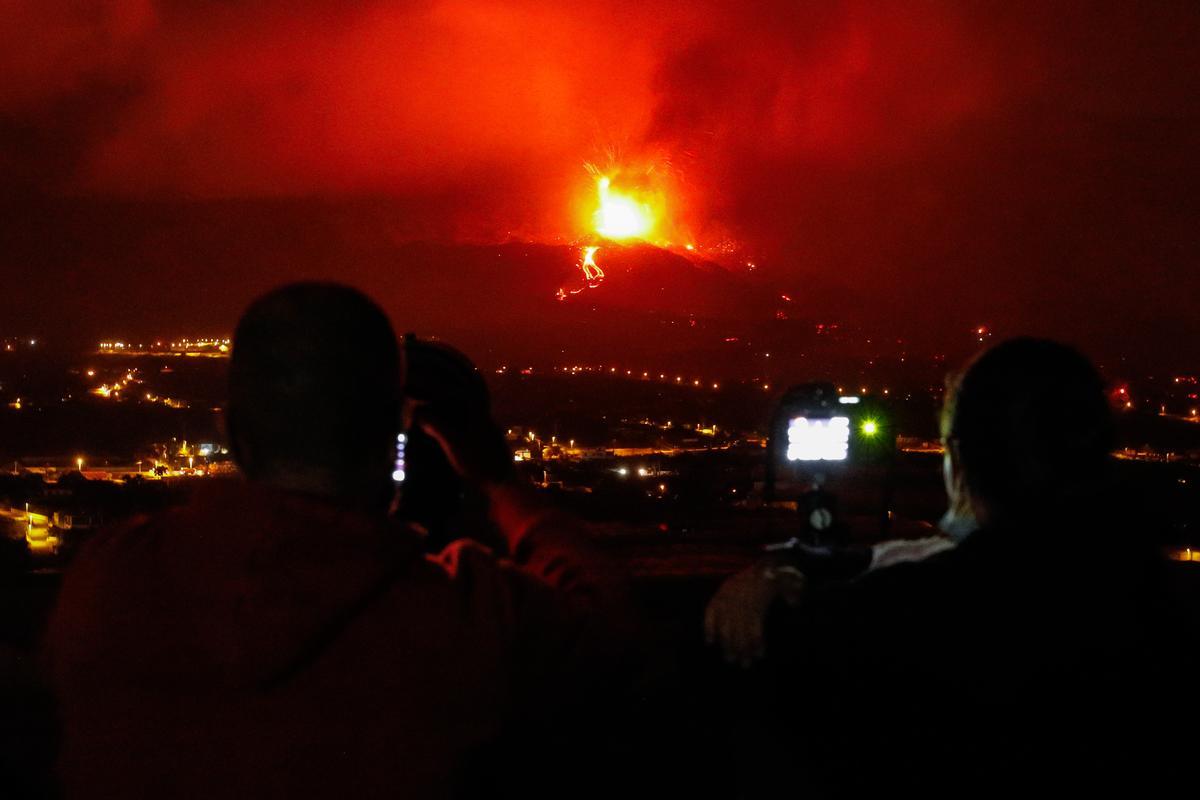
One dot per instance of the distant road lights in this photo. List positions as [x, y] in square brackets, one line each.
[79, 464]
[643, 472]
[622, 471]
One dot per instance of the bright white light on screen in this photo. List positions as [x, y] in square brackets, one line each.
[818, 439]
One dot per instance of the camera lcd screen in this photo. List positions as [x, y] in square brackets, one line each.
[398, 467]
[825, 439]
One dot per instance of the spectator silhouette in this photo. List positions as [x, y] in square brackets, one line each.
[1040, 654]
[281, 637]
[434, 499]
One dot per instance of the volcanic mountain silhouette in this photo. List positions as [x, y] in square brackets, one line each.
[145, 270]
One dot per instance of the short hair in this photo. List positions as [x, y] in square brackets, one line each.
[1031, 422]
[315, 380]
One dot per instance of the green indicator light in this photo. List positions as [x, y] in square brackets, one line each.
[870, 427]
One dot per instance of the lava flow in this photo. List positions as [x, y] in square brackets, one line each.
[591, 270]
[592, 273]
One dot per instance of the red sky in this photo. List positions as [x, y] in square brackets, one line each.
[1029, 165]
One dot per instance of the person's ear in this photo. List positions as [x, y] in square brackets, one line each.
[956, 489]
[954, 454]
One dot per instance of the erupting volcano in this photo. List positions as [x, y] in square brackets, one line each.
[619, 216]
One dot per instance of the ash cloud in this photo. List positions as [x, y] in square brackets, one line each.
[1027, 165]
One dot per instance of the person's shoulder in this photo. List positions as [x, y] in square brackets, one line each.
[888, 596]
[96, 587]
[904, 574]
[111, 549]
[122, 535]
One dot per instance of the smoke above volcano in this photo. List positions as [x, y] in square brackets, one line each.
[500, 99]
[1015, 162]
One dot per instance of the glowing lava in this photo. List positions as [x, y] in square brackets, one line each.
[591, 270]
[620, 216]
[591, 273]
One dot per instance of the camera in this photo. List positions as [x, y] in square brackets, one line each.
[816, 429]
[821, 439]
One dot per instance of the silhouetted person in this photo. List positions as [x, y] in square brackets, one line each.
[279, 637]
[434, 498]
[1039, 655]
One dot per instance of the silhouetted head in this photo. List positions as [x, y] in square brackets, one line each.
[442, 383]
[1027, 424]
[439, 375]
[315, 392]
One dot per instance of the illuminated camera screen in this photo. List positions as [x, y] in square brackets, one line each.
[818, 439]
[398, 467]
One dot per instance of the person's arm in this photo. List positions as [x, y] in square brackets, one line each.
[736, 617]
[548, 543]
[570, 636]
[544, 542]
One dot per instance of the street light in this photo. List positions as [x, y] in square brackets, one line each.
[79, 464]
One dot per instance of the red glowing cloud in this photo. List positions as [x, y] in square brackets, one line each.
[495, 99]
[1010, 162]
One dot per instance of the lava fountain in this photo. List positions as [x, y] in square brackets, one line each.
[620, 216]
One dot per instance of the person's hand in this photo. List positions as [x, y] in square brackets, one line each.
[736, 616]
[473, 444]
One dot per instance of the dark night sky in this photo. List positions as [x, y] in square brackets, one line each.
[1032, 166]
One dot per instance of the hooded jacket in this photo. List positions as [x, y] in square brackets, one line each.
[257, 643]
